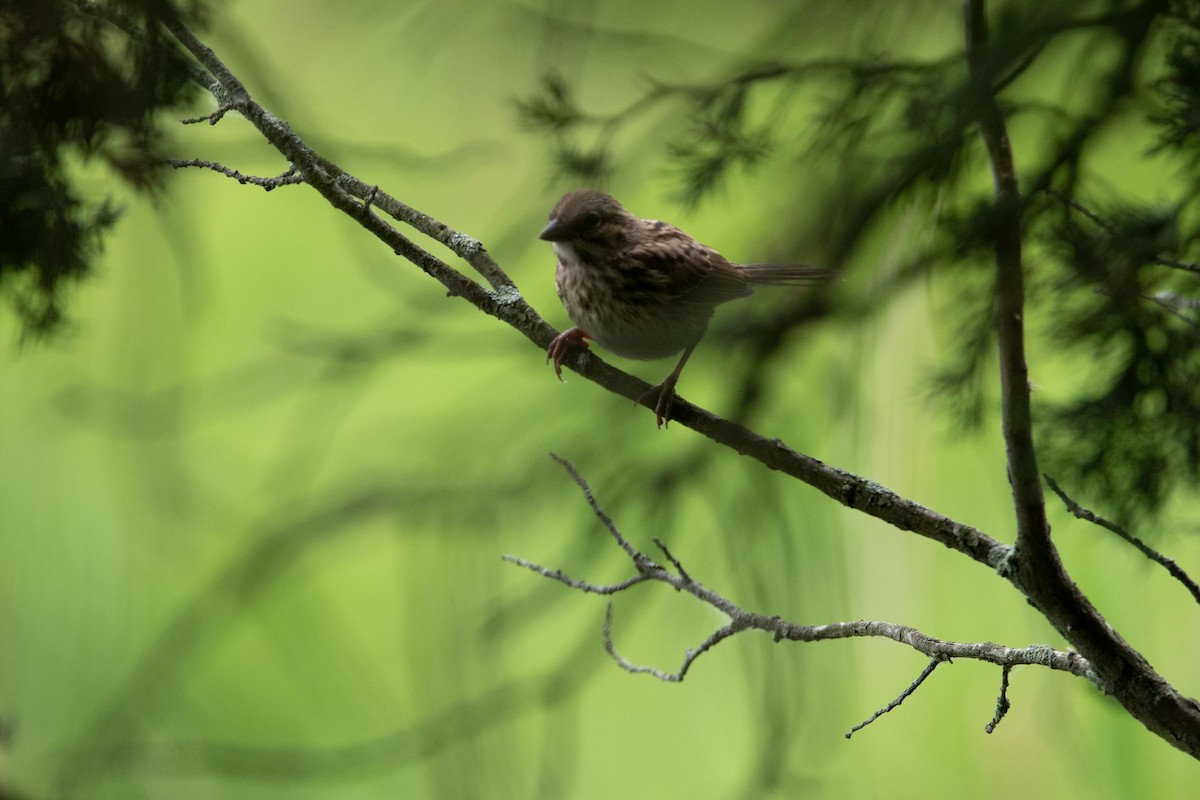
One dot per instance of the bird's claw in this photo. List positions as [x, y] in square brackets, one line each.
[561, 345]
[664, 398]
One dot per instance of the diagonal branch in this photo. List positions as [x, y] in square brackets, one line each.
[357, 198]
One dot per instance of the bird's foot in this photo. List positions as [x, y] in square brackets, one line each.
[561, 345]
[663, 396]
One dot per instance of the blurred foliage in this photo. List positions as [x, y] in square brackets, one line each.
[902, 131]
[255, 514]
[73, 88]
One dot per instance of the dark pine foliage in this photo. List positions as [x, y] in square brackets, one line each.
[75, 87]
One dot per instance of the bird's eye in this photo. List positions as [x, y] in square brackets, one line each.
[591, 220]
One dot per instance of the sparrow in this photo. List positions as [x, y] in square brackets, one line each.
[642, 288]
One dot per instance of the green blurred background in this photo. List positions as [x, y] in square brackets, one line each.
[254, 503]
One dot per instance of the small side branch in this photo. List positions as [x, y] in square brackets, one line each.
[1002, 704]
[597, 511]
[214, 117]
[1109, 227]
[912, 687]
[690, 657]
[290, 177]
[1149, 552]
[582, 586]
[1173, 263]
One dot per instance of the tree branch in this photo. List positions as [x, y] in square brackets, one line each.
[780, 629]
[1036, 568]
[1033, 532]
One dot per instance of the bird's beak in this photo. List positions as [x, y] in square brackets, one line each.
[553, 232]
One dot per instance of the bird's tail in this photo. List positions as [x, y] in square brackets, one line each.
[784, 273]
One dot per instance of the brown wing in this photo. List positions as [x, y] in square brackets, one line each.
[670, 262]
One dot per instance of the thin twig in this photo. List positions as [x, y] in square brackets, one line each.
[1149, 552]
[689, 658]
[674, 561]
[212, 118]
[1173, 304]
[1002, 704]
[290, 177]
[912, 687]
[1109, 227]
[574, 583]
[1100, 221]
[1186, 266]
[599, 512]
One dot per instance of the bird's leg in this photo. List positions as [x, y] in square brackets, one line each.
[560, 345]
[666, 391]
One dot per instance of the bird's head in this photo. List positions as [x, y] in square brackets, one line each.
[591, 220]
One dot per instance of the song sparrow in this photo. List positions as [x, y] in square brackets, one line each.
[642, 288]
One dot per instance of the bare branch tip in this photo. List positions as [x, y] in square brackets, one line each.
[213, 118]
[925, 673]
[1002, 704]
[674, 562]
